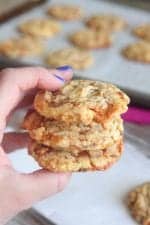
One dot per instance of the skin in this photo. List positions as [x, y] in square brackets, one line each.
[18, 191]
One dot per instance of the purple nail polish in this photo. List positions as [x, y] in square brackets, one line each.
[59, 78]
[64, 68]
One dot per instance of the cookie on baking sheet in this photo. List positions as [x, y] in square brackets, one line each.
[63, 161]
[139, 203]
[21, 47]
[74, 137]
[65, 12]
[74, 57]
[82, 101]
[90, 39]
[143, 31]
[106, 22]
[139, 51]
[43, 27]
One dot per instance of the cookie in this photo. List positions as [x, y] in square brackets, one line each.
[107, 22]
[75, 137]
[90, 39]
[63, 161]
[139, 203]
[65, 12]
[74, 57]
[143, 31]
[43, 28]
[139, 51]
[21, 47]
[82, 101]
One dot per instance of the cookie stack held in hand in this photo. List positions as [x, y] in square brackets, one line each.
[77, 128]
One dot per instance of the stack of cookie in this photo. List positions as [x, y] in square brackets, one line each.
[77, 128]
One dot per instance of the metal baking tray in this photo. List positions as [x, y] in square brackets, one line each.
[141, 4]
[109, 64]
[10, 9]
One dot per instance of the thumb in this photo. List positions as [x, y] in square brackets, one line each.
[41, 184]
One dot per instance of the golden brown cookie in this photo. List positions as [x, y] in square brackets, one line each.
[63, 161]
[74, 137]
[139, 51]
[20, 47]
[143, 31]
[107, 22]
[65, 12]
[139, 203]
[43, 28]
[74, 57]
[90, 39]
[82, 101]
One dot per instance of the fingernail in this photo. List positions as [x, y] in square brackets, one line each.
[63, 68]
[59, 78]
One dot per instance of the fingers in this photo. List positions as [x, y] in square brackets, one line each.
[30, 77]
[20, 191]
[13, 141]
[14, 83]
[41, 184]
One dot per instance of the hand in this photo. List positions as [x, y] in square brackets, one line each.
[19, 191]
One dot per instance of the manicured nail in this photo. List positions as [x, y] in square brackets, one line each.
[64, 68]
[59, 78]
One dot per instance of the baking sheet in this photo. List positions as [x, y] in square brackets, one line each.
[109, 64]
[98, 197]
[9, 8]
